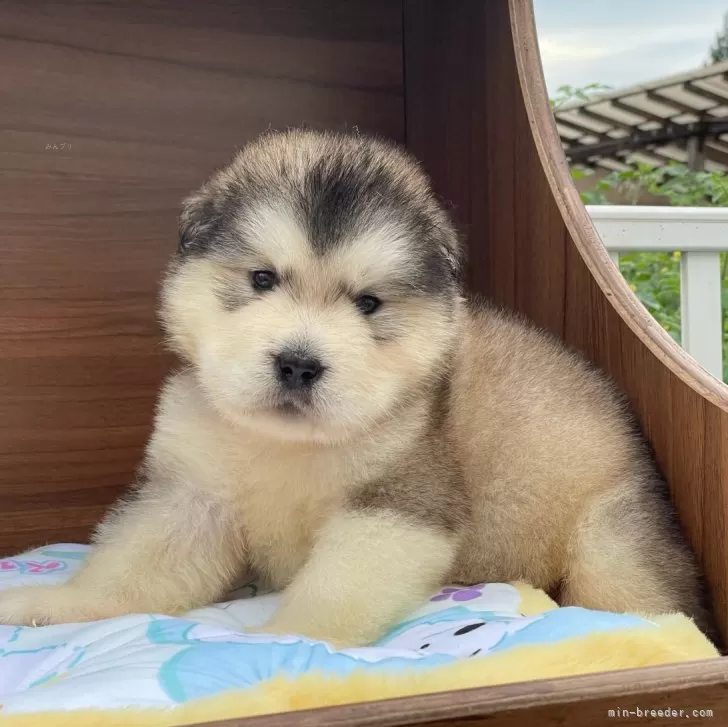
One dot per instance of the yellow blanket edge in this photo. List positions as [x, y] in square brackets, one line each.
[677, 640]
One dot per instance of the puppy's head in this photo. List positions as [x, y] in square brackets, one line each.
[316, 287]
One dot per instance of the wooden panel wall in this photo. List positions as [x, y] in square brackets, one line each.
[478, 115]
[110, 113]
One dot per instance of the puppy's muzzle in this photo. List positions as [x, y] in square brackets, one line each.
[296, 373]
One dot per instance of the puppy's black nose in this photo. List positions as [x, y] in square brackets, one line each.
[295, 372]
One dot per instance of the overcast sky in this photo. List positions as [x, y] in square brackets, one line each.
[623, 42]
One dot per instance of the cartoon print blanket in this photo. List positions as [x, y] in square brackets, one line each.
[152, 660]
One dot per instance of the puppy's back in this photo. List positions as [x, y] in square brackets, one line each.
[564, 491]
[518, 389]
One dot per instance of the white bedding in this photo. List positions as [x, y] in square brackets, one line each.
[156, 660]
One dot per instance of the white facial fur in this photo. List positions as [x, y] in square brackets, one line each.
[373, 363]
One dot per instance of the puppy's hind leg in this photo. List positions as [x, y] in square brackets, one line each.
[627, 554]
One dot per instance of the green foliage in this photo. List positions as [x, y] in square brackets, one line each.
[655, 277]
[564, 94]
[719, 49]
[594, 196]
[681, 186]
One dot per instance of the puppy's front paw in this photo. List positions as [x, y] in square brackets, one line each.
[29, 606]
[44, 605]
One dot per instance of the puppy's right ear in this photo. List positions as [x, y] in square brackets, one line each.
[199, 221]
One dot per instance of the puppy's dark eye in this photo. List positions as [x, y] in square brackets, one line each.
[263, 279]
[367, 304]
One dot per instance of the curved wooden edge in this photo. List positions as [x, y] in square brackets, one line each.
[682, 408]
[579, 223]
[569, 701]
[477, 115]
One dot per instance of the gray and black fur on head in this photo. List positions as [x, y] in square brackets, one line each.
[337, 186]
[325, 238]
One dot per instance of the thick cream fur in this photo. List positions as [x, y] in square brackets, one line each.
[545, 456]
[234, 350]
[558, 478]
[345, 592]
[446, 442]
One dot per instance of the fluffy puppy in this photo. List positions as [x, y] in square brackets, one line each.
[350, 429]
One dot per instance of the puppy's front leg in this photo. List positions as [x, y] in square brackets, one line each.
[367, 570]
[168, 550]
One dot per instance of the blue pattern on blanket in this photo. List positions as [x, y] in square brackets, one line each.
[206, 669]
[156, 660]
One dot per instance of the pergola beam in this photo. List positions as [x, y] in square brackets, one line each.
[687, 113]
[641, 138]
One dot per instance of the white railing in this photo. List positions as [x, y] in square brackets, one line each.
[700, 234]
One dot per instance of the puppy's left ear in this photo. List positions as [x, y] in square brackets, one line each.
[455, 257]
[452, 246]
[199, 222]
[450, 239]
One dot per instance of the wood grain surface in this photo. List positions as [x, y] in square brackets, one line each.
[149, 96]
[478, 116]
[111, 112]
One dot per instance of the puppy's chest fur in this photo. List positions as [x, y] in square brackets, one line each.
[283, 504]
[280, 493]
